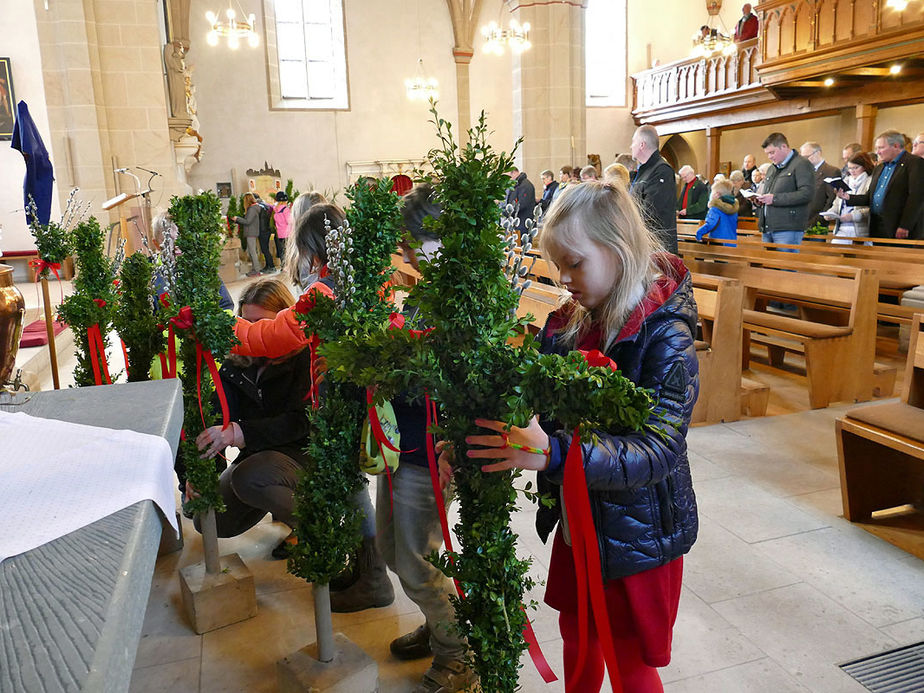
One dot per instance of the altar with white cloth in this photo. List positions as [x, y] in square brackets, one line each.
[80, 529]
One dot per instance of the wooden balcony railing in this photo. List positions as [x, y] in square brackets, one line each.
[697, 85]
[807, 38]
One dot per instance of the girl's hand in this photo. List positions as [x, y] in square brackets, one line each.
[500, 447]
[190, 492]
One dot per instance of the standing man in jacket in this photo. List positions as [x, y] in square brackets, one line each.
[522, 196]
[694, 195]
[266, 230]
[787, 192]
[824, 193]
[747, 26]
[653, 187]
[550, 187]
[895, 190]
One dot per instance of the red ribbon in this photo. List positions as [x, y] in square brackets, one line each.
[39, 266]
[584, 549]
[535, 651]
[125, 355]
[313, 393]
[202, 353]
[98, 354]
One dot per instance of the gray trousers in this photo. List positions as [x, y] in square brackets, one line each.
[408, 532]
[253, 250]
[265, 483]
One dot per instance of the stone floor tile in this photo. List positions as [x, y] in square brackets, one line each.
[176, 677]
[806, 633]
[888, 590]
[750, 512]
[704, 469]
[906, 632]
[744, 570]
[716, 442]
[759, 676]
[781, 474]
[704, 641]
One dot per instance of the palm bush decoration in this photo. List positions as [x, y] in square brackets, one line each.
[89, 309]
[134, 317]
[205, 332]
[470, 371]
[327, 525]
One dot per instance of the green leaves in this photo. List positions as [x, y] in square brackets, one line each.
[93, 300]
[199, 241]
[134, 316]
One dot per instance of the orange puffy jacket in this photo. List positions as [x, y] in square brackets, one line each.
[277, 337]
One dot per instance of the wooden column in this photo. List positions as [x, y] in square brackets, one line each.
[713, 141]
[866, 125]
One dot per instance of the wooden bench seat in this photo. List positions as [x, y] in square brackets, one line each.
[880, 450]
[847, 341]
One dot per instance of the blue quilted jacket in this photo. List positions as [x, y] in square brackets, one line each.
[641, 493]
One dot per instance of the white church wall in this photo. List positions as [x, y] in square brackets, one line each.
[312, 147]
[19, 42]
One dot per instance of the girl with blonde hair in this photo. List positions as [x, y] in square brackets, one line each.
[635, 303]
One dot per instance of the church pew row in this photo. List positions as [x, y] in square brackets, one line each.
[880, 451]
[897, 270]
[836, 328]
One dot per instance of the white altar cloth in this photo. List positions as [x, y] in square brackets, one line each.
[56, 477]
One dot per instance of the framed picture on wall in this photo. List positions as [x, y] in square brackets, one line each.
[725, 168]
[7, 100]
[223, 189]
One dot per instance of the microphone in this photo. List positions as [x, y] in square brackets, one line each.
[121, 170]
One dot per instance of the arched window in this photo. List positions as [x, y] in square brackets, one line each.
[306, 51]
[605, 52]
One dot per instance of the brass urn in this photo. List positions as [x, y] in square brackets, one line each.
[12, 312]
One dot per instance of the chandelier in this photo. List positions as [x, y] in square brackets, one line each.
[232, 28]
[496, 37]
[713, 43]
[898, 5]
[421, 88]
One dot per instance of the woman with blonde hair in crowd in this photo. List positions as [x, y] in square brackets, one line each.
[616, 173]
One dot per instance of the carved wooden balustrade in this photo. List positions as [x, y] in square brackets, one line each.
[697, 85]
[807, 38]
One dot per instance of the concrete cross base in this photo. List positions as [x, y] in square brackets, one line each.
[351, 670]
[218, 600]
[170, 541]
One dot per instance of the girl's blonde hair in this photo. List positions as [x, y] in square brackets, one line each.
[607, 214]
[249, 199]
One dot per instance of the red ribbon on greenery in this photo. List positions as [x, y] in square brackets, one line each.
[535, 651]
[313, 391]
[98, 355]
[585, 551]
[124, 355]
[39, 266]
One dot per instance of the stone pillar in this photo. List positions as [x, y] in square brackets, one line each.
[463, 56]
[549, 92]
[866, 125]
[713, 145]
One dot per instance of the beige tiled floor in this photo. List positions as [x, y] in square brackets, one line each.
[778, 590]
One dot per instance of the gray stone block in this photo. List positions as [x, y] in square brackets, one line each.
[170, 541]
[351, 670]
[215, 601]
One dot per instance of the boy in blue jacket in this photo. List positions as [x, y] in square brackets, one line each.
[722, 219]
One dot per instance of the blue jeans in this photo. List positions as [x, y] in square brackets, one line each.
[408, 530]
[786, 237]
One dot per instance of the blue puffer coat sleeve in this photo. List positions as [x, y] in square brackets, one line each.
[641, 492]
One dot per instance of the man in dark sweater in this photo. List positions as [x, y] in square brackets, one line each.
[788, 191]
[824, 193]
[654, 187]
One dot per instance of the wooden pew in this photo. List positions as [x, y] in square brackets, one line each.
[898, 270]
[404, 274]
[831, 341]
[880, 452]
[719, 302]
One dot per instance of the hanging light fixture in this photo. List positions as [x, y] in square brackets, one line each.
[897, 5]
[232, 28]
[496, 38]
[420, 87]
[709, 40]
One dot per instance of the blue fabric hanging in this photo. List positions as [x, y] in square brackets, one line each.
[39, 172]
